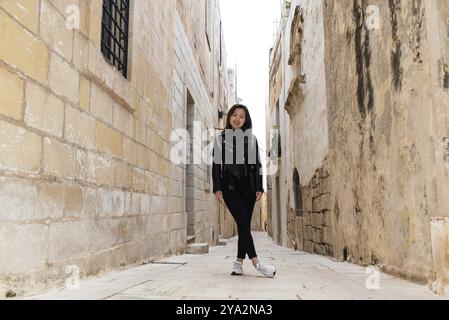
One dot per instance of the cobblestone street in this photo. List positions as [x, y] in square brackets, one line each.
[195, 277]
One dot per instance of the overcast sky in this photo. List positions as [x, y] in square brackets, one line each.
[248, 27]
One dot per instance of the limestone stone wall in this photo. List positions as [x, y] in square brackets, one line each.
[309, 117]
[387, 130]
[200, 34]
[274, 124]
[188, 81]
[85, 173]
[315, 230]
[385, 201]
[201, 72]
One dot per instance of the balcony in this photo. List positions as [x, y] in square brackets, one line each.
[295, 96]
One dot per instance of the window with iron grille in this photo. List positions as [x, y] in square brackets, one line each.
[114, 33]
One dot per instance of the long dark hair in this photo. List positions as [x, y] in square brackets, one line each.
[248, 122]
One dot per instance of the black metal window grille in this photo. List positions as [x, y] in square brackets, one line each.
[115, 33]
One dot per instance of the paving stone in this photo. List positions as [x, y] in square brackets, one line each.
[207, 277]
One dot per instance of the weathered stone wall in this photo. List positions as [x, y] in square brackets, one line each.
[437, 24]
[85, 171]
[317, 224]
[204, 214]
[276, 74]
[385, 201]
[304, 130]
[386, 172]
[274, 104]
[201, 45]
[309, 124]
[307, 128]
[201, 67]
[84, 152]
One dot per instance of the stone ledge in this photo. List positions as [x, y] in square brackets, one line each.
[99, 71]
[190, 239]
[198, 248]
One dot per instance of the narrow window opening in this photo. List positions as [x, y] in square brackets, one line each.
[115, 33]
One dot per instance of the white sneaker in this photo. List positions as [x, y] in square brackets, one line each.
[238, 270]
[266, 269]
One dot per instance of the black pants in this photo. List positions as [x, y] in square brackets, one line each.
[240, 203]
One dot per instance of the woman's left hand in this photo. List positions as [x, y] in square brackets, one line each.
[258, 195]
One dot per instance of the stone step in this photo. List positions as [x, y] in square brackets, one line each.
[190, 239]
[198, 248]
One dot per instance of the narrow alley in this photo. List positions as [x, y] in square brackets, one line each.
[108, 173]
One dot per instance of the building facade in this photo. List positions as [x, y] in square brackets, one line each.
[94, 96]
[359, 92]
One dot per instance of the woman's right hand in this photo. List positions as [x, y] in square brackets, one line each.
[219, 196]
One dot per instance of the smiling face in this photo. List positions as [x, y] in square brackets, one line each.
[238, 118]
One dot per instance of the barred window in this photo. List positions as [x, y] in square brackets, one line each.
[114, 33]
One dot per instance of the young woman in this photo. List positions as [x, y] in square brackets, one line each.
[238, 183]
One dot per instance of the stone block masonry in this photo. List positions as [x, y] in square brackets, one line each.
[317, 227]
[85, 170]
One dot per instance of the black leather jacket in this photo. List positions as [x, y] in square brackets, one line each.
[252, 170]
